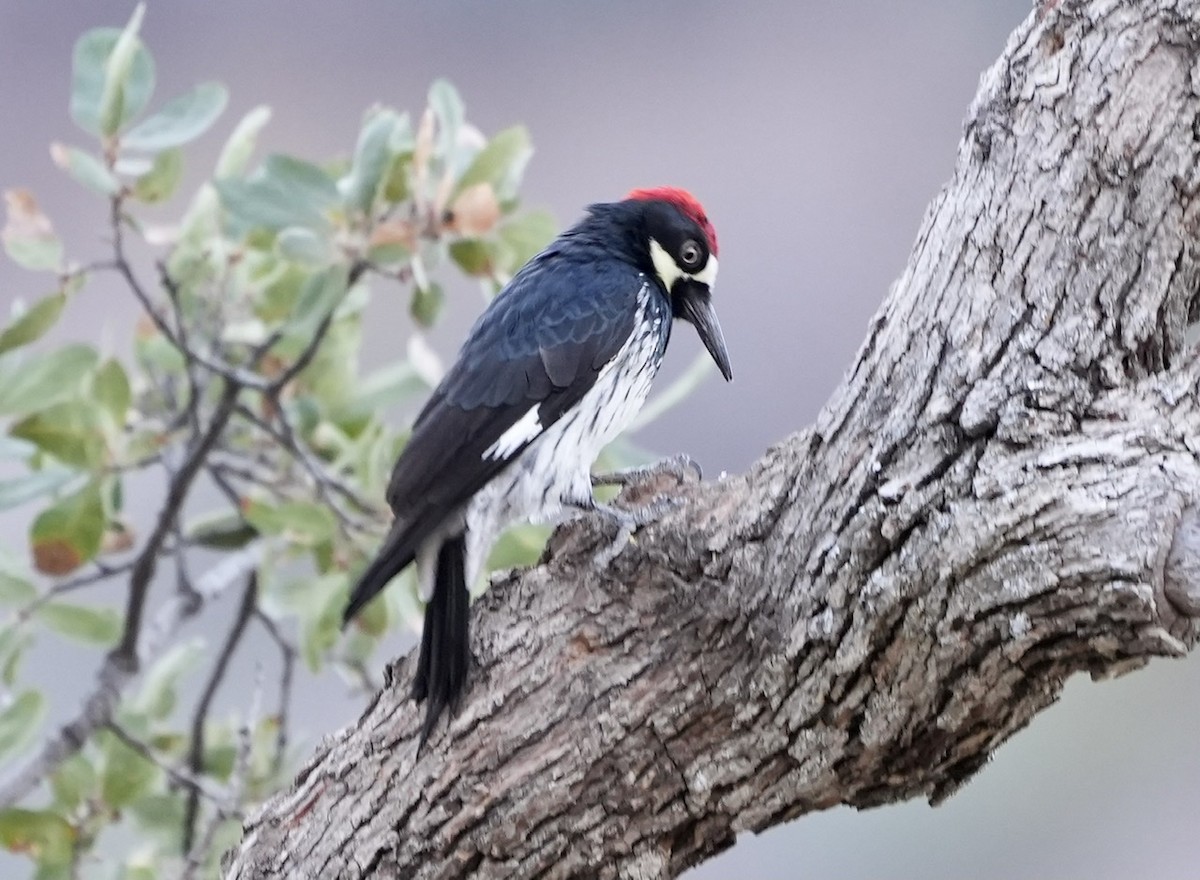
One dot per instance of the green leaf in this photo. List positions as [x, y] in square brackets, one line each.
[181, 120]
[235, 155]
[20, 720]
[73, 782]
[90, 76]
[371, 158]
[43, 379]
[385, 387]
[285, 192]
[501, 163]
[303, 247]
[520, 545]
[159, 183]
[85, 168]
[33, 324]
[28, 234]
[222, 531]
[117, 70]
[426, 304]
[472, 256]
[124, 774]
[525, 236]
[319, 297]
[674, 393]
[16, 590]
[157, 696]
[71, 431]
[447, 106]
[93, 626]
[43, 835]
[63, 537]
[110, 389]
[300, 521]
[19, 490]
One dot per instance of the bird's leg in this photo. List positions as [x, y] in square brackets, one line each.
[677, 466]
[627, 522]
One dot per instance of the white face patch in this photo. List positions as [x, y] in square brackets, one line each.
[669, 272]
[524, 430]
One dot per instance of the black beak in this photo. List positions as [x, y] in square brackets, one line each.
[693, 303]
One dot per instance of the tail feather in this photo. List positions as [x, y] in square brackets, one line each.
[445, 646]
[391, 559]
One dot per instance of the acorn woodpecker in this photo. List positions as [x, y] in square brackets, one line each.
[554, 369]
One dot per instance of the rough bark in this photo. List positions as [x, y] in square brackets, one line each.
[1002, 492]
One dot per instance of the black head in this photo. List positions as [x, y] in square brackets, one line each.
[682, 248]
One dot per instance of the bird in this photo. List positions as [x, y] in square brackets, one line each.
[555, 367]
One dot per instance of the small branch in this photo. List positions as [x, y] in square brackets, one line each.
[288, 655]
[237, 786]
[182, 778]
[102, 573]
[310, 351]
[325, 483]
[195, 761]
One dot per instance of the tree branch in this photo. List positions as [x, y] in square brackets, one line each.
[1003, 492]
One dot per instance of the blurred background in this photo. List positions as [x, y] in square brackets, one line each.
[815, 133]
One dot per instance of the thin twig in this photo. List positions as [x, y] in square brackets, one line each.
[102, 573]
[195, 760]
[237, 785]
[288, 655]
[182, 778]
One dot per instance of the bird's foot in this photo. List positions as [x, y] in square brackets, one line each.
[683, 467]
[628, 522]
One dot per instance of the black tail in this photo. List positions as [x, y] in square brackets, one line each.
[445, 648]
[388, 562]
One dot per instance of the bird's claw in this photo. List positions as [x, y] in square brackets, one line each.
[629, 521]
[680, 466]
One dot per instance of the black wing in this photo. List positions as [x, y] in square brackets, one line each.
[540, 344]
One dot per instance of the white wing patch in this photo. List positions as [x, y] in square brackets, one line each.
[524, 430]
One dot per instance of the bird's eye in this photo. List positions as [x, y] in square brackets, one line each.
[691, 253]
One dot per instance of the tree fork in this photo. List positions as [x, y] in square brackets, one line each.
[1003, 491]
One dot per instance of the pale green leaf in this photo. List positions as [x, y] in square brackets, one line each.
[159, 183]
[447, 106]
[71, 431]
[117, 71]
[426, 304]
[157, 696]
[525, 236]
[303, 247]
[28, 235]
[235, 155]
[19, 722]
[85, 168]
[66, 535]
[18, 490]
[15, 590]
[95, 626]
[73, 782]
[501, 163]
[33, 324]
[371, 158]
[299, 521]
[41, 833]
[90, 74]
[124, 774]
[285, 192]
[44, 378]
[110, 389]
[181, 120]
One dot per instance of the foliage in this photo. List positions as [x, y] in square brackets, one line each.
[244, 378]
